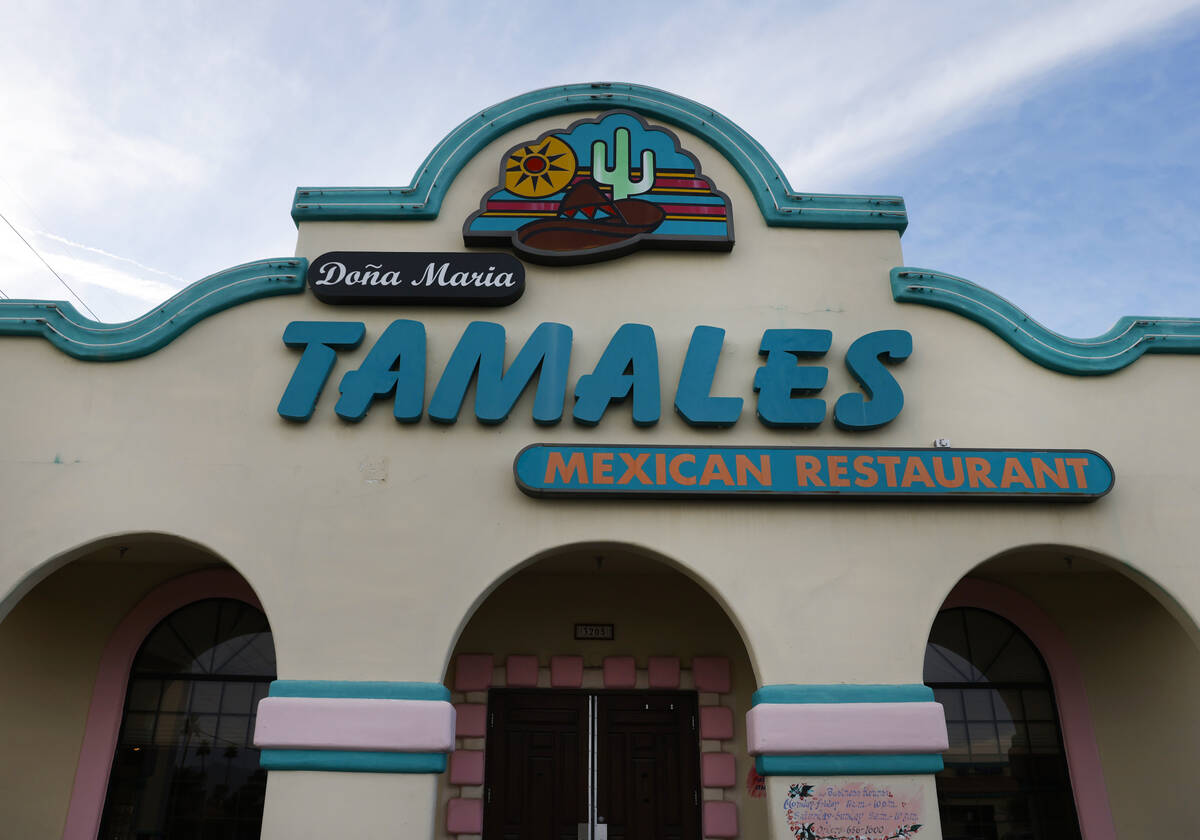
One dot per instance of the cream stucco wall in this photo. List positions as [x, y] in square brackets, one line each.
[370, 543]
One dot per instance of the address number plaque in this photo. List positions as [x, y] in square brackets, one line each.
[595, 632]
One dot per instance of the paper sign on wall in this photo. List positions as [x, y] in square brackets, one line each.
[855, 807]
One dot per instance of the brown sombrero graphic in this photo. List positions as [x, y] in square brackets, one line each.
[598, 189]
[588, 219]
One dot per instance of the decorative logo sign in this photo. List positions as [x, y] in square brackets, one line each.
[817, 472]
[599, 189]
[374, 277]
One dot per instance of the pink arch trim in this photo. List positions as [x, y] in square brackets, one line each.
[1079, 738]
[108, 697]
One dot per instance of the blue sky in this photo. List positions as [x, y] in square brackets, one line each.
[1047, 151]
[1079, 201]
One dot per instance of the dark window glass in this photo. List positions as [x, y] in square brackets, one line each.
[1006, 771]
[185, 767]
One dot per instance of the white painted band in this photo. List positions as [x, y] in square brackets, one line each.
[824, 728]
[355, 724]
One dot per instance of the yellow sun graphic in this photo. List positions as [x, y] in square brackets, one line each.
[540, 169]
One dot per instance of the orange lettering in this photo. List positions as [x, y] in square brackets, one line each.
[576, 465]
[715, 470]
[1014, 473]
[977, 472]
[889, 465]
[1078, 464]
[939, 471]
[837, 471]
[660, 468]
[1042, 471]
[868, 477]
[744, 466]
[808, 467]
[634, 468]
[914, 471]
[602, 468]
[678, 476]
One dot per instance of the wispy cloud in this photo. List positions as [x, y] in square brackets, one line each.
[838, 90]
[111, 278]
[170, 141]
[113, 287]
[933, 93]
[79, 246]
[56, 147]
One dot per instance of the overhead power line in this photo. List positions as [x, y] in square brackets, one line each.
[48, 266]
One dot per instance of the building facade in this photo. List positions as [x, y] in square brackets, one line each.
[755, 531]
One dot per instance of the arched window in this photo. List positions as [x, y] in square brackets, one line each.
[1006, 775]
[185, 765]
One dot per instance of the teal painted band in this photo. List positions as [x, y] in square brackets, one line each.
[847, 765]
[779, 205]
[912, 693]
[353, 761]
[1122, 345]
[365, 690]
[96, 341]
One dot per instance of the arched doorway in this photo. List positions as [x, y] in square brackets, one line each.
[1077, 636]
[600, 693]
[90, 643]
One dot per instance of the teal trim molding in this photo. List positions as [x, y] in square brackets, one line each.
[1122, 345]
[847, 765]
[95, 341]
[841, 693]
[780, 205]
[363, 690]
[356, 761]
[352, 761]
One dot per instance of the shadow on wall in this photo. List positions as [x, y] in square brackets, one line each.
[602, 561]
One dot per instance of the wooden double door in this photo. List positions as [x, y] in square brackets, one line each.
[600, 765]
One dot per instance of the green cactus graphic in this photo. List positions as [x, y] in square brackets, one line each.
[618, 177]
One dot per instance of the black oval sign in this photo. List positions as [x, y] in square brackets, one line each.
[417, 277]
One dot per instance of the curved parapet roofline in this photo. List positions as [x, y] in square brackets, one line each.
[96, 341]
[422, 199]
[1122, 345]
